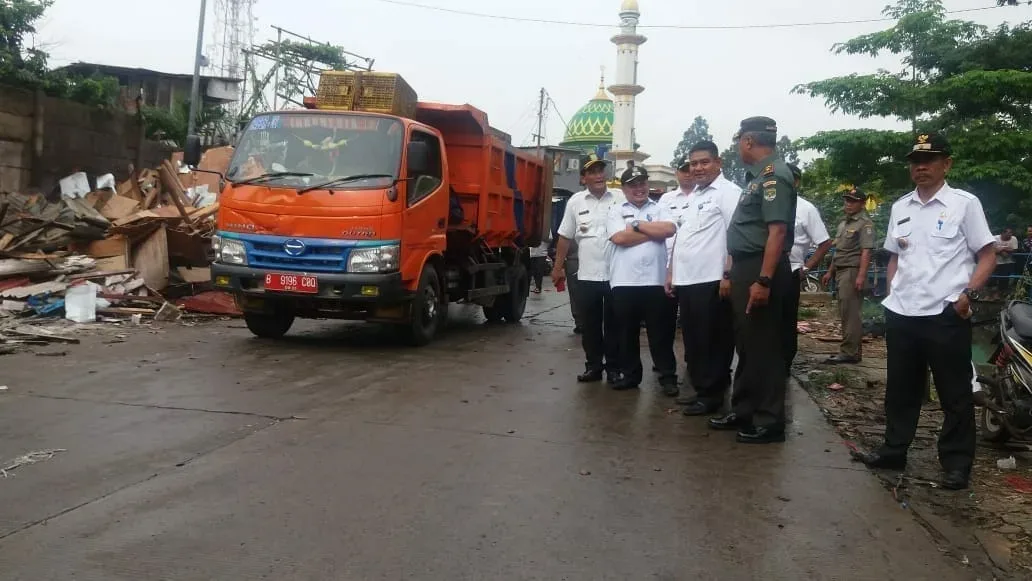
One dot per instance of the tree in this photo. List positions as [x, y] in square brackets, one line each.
[165, 125]
[27, 67]
[699, 131]
[734, 169]
[970, 83]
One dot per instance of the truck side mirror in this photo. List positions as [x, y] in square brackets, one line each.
[192, 150]
[418, 158]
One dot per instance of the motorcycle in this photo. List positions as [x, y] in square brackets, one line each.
[1007, 401]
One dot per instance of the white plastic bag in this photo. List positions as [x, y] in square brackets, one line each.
[81, 303]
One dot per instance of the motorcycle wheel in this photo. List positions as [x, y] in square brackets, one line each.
[994, 429]
[811, 286]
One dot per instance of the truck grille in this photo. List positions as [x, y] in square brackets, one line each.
[317, 257]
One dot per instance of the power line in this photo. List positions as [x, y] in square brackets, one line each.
[662, 26]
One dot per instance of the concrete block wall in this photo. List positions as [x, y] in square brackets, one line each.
[43, 139]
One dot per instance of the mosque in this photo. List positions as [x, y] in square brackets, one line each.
[605, 125]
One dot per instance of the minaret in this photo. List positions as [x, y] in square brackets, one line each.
[626, 88]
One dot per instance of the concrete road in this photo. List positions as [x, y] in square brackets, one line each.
[202, 453]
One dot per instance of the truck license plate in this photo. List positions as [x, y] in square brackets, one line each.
[294, 283]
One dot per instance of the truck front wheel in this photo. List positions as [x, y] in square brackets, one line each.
[269, 325]
[427, 310]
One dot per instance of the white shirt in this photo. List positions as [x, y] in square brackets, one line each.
[1011, 244]
[539, 251]
[702, 218]
[672, 205]
[585, 222]
[936, 242]
[641, 265]
[809, 231]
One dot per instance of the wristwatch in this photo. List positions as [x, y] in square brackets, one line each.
[635, 225]
[763, 281]
[967, 292]
[727, 275]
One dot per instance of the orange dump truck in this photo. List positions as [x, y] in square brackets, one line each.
[370, 205]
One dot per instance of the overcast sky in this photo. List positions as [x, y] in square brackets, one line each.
[499, 66]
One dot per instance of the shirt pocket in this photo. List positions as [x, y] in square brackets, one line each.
[709, 217]
[901, 234]
[945, 240]
[748, 209]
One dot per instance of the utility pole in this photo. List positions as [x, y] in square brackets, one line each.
[275, 83]
[195, 90]
[541, 119]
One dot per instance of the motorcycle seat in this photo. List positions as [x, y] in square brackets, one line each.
[1021, 317]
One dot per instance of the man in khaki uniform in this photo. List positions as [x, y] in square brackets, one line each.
[853, 245]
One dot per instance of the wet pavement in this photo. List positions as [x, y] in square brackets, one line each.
[202, 453]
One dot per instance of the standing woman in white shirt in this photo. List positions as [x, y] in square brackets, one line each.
[935, 234]
[584, 222]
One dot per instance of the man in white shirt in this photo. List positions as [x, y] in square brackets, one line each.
[695, 272]
[637, 275]
[934, 234]
[809, 231]
[584, 221]
[1006, 246]
[672, 203]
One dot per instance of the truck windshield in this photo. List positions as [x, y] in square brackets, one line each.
[297, 150]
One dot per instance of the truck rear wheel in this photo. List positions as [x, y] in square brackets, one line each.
[269, 325]
[512, 304]
[426, 313]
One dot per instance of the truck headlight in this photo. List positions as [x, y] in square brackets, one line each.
[376, 259]
[231, 251]
[216, 245]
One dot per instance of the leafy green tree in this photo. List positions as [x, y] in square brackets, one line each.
[165, 125]
[734, 169]
[788, 149]
[699, 131]
[970, 83]
[27, 67]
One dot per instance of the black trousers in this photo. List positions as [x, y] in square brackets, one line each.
[942, 342]
[573, 287]
[791, 338]
[761, 377]
[633, 305]
[538, 266]
[600, 335]
[707, 327]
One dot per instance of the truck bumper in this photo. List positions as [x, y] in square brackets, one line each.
[372, 297]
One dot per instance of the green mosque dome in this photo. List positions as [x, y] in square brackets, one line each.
[592, 125]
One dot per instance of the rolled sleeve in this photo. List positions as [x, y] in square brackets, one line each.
[891, 244]
[777, 201]
[867, 241]
[975, 227]
[815, 226]
[568, 227]
[615, 221]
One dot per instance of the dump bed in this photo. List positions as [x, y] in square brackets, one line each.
[502, 190]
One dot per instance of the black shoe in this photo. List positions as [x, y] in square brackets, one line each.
[686, 399]
[880, 461]
[577, 331]
[761, 435]
[729, 422]
[955, 480]
[613, 377]
[625, 384]
[699, 408]
[841, 359]
[670, 389]
[590, 376]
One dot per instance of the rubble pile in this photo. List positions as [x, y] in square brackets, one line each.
[109, 253]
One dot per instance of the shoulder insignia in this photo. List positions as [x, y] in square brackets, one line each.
[869, 229]
[770, 194]
[770, 183]
[769, 170]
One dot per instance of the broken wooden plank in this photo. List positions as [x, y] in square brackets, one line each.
[176, 191]
[150, 259]
[125, 311]
[40, 333]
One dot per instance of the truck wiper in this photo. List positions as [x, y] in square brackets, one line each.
[344, 179]
[271, 175]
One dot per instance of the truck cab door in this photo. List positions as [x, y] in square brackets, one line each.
[425, 217]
